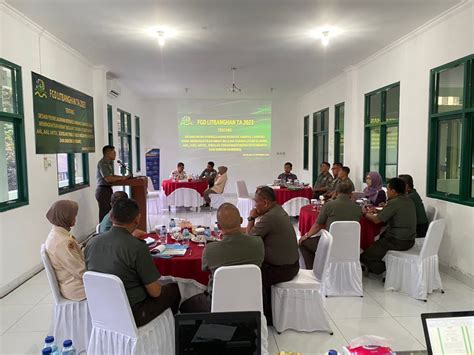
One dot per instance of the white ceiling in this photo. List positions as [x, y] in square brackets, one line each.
[266, 40]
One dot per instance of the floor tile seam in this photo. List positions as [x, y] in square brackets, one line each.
[21, 317]
[340, 331]
[274, 339]
[408, 330]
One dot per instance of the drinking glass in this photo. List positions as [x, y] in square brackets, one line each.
[314, 204]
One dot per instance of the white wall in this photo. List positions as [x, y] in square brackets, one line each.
[22, 230]
[160, 130]
[409, 61]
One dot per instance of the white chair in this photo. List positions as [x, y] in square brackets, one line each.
[217, 199]
[385, 190]
[413, 271]
[431, 213]
[154, 195]
[298, 304]
[97, 229]
[343, 276]
[293, 206]
[114, 330]
[71, 319]
[228, 295]
[244, 203]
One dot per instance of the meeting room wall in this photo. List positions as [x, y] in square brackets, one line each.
[24, 229]
[160, 130]
[408, 61]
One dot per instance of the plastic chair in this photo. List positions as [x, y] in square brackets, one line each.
[293, 206]
[431, 213]
[416, 272]
[71, 319]
[229, 281]
[114, 330]
[217, 199]
[298, 304]
[343, 275]
[153, 194]
[244, 203]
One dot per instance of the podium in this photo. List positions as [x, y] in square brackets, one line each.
[139, 188]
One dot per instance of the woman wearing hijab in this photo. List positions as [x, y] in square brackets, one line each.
[63, 251]
[374, 191]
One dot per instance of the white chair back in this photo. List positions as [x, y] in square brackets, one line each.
[385, 190]
[346, 241]
[433, 238]
[51, 274]
[321, 258]
[237, 289]
[150, 187]
[242, 191]
[431, 213]
[108, 303]
[97, 228]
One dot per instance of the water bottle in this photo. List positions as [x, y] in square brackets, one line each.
[216, 229]
[68, 349]
[172, 224]
[163, 235]
[49, 342]
[207, 233]
[46, 351]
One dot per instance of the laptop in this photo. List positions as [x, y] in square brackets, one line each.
[449, 332]
[225, 333]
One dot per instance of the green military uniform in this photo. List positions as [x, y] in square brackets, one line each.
[323, 180]
[400, 216]
[421, 218]
[103, 192]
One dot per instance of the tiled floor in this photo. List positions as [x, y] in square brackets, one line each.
[25, 314]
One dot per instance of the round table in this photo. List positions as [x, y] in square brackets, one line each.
[184, 193]
[368, 229]
[187, 266]
[293, 200]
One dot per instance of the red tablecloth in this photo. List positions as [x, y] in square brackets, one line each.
[282, 194]
[368, 229]
[170, 185]
[187, 266]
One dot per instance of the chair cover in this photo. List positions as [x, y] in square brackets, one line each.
[298, 304]
[217, 200]
[244, 203]
[114, 329]
[229, 281]
[343, 275]
[185, 197]
[71, 319]
[97, 228]
[431, 213]
[413, 271]
[293, 206]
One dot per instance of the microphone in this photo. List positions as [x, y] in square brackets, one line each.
[119, 162]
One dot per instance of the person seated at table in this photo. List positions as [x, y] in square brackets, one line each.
[421, 218]
[340, 209]
[106, 222]
[119, 253]
[336, 168]
[279, 238]
[64, 253]
[236, 248]
[287, 175]
[209, 174]
[324, 180]
[400, 216]
[179, 173]
[374, 192]
[218, 187]
[342, 177]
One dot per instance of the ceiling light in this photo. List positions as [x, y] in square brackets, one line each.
[325, 38]
[234, 88]
[161, 38]
[325, 34]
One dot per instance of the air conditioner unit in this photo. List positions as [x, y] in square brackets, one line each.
[113, 88]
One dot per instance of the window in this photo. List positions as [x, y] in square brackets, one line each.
[381, 131]
[124, 124]
[451, 132]
[320, 140]
[73, 171]
[137, 142]
[339, 134]
[13, 174]
[110, 125]
[306, 143]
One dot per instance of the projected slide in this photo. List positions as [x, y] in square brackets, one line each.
[240, 127]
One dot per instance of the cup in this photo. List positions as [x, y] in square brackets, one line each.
[314, 204]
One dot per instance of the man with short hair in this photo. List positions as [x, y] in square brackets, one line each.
[236, 248]
[324, 180]
[421, 218]
[279, 238]
[119, 253]
[209, 174]
[179, 173]
[218, 187]
[287, 175]
[340, 209]
[342, 177]
[400, 216]
[336, 168]
[105, 177]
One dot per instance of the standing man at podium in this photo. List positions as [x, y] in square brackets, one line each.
[105, 177]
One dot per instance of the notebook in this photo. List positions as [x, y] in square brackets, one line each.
[170, 250]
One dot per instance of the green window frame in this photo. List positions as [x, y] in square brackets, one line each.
[382, 113]
[137, 142]
[339, 113]
[320, 140]
[306, 143]
[15, 192]
[451, 132]
[110, 125]
[124, 123]
[72, 179]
